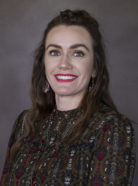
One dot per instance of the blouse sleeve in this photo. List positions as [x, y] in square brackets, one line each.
[15, 134]
[113, 159]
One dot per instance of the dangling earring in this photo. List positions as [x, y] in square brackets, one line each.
[91, 84]
[46, 88]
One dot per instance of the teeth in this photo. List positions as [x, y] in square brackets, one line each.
[65, 77]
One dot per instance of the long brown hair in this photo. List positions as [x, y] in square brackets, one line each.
[43, 104]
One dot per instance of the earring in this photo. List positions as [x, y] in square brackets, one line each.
[91, 84]
[46, 88]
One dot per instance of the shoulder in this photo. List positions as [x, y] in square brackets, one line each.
[18, 125]
[109, 125]
[19, 119]
[112, 119]
[118, 121]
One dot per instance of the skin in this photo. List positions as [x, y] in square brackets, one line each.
[69, 51]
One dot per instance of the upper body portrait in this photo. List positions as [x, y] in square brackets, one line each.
[73, 134]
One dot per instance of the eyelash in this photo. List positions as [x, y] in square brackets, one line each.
[54, 51]
[79, 53]
[76, 53]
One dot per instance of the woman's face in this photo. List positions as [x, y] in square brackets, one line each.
[69, 62]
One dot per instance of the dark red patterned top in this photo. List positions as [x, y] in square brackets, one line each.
[102, 156]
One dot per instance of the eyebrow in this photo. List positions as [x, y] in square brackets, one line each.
[72, 47]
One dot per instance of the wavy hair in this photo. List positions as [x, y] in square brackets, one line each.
[43, 104]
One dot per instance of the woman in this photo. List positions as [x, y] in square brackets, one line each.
[73, 134]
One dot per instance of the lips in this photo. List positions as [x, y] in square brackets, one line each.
[65, 77]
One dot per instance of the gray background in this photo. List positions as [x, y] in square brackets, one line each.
[21, 28]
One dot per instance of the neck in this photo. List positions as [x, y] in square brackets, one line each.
[65, 103]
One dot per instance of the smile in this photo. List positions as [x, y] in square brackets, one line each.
[65, 77]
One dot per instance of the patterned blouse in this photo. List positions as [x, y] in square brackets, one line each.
[102, 156]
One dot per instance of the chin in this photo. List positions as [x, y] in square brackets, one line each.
[63, 93]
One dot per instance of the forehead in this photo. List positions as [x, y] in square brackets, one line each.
[64, 34]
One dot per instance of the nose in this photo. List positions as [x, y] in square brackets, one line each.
[65, 62]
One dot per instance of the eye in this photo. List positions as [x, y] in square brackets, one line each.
[78, 53]
[54, 53]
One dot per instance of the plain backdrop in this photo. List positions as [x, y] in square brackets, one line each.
[21, 27]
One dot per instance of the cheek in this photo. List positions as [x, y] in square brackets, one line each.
[46, 69]
[48, 65]
[49, 70]
[87, 69]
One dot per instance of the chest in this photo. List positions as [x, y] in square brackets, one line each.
[43, 161]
